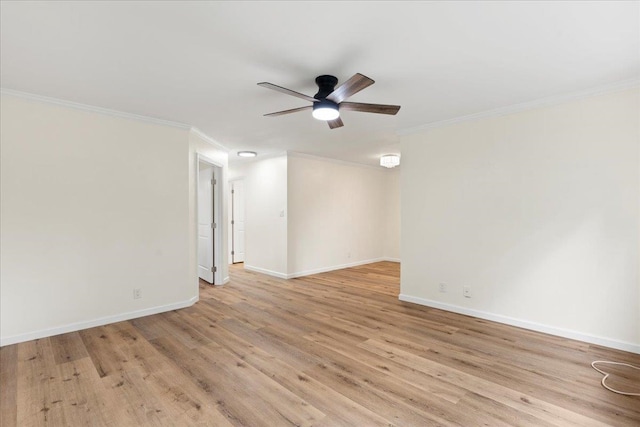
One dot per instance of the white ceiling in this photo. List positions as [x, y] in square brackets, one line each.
[198, 62]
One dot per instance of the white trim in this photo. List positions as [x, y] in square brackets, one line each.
[390, 259]
[72, 327]
[114, 113]
[209, 160]
[93, 109]
[208, 139]
[340, 162]
[332, 268]
[235, 161]
[225, 280]
[538, 327]
[315, 270]
[265, 271]
[516, 108]
[218, 214]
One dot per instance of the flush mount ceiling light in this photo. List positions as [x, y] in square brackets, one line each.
[325, 110]
[390, 160]
[247, 153]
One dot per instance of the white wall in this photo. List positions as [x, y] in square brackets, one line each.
[337, 214]
[92, 206]
[265, 186]
[538, 212]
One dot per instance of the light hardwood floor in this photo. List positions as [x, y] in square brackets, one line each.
[332, 349]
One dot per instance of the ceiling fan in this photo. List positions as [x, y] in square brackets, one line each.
[328, 102]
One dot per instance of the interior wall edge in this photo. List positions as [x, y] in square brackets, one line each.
[525, 324]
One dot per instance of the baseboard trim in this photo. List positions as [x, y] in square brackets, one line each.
[316, 270]
[333, 267]
[525, 324]
[265, 271]
[72, 327]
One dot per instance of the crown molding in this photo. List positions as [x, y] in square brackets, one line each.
[208, 139]
[93, 109]
[287, 154]
[330, 160]
[516, 108]
[113, 113]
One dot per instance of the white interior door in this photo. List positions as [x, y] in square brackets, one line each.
[238, 221]
[205, 222]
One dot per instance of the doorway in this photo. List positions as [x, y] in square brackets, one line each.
[209, 201]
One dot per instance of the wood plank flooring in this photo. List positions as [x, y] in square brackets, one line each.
[334, 349]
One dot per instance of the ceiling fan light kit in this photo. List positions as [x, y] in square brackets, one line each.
[325, 110]
[390, 160]
[329, 100]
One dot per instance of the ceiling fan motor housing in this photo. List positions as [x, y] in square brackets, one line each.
[326, 85]
[325, 103]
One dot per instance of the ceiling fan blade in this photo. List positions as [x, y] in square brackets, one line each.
[370, 108]
[336, 123]
[352, 86]
[287, 91]
[294, 110]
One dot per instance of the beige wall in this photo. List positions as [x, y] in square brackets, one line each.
[391, 197]
[537, 212]
[93, 206]
[265, 191]
[337, 214]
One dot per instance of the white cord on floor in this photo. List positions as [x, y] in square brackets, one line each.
[606, 375]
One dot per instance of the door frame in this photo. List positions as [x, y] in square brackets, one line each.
[232, 236]
[217, 214]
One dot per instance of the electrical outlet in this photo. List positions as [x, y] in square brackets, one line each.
[466, 291]
[137, 293]
[443, 287]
